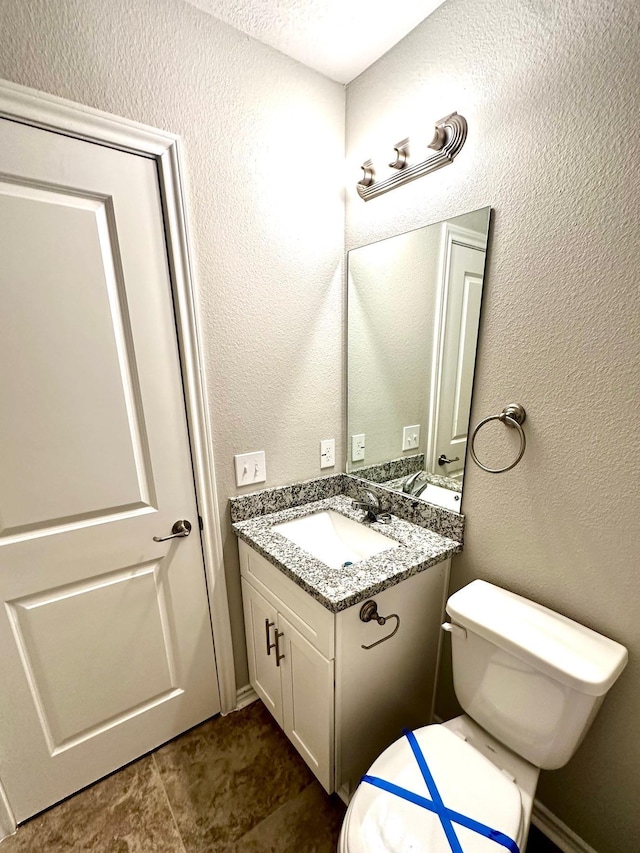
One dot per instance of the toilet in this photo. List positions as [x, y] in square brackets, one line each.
[530, 682]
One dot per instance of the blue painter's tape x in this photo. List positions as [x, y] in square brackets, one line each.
[447, 816]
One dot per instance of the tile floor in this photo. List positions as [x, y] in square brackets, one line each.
[231, 785]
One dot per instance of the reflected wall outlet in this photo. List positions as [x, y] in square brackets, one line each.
[250, 468]
[328, 453]
[357, 447]
[411, 437]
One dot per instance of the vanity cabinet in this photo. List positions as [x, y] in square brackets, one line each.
[338, 702]
[294, 680]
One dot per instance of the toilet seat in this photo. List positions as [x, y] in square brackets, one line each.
[380, 822]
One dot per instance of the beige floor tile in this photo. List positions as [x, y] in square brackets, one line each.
[227, 775]
[309, 823]
[127, 812]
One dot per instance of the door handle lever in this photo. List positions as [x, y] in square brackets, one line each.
[442, 459]
[179, 530]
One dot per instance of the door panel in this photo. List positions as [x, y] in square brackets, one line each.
[124, 674]
[106, 637]
[56, 471]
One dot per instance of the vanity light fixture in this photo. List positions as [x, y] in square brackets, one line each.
[450, 135]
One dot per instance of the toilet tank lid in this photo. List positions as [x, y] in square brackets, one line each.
[559, 647]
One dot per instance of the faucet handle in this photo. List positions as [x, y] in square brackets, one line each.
[373, 500]
[371, 505]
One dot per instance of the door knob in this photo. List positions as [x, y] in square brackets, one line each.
[179, 530]
[442, 459]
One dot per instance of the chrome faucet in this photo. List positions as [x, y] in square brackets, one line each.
[411, 483]
[371, 505]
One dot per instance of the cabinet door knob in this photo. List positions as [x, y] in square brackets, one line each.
[268, 625]
[279, 657]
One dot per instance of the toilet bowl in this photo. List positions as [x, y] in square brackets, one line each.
[475, 775]
[531, 682]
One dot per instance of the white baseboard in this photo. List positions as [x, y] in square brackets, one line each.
[245, 696]
[557, 831]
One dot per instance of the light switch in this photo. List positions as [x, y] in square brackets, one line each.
[357, 447]
[411, 437]
[328, 453]
[250, 468]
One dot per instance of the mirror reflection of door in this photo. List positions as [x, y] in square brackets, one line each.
[463, 270]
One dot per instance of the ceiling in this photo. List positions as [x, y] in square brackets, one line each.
[339, 38]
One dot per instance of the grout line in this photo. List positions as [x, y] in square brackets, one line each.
[271, 814]
[166, 796]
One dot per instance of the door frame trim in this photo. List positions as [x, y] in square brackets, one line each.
[49, 112]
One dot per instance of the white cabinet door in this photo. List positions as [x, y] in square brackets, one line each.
[105, 634]
[308, 701]
[261, 620]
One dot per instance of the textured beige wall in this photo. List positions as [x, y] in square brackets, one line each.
[550, 91]
[264, 144]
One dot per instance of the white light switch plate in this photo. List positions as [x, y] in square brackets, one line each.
[250, 468]
[411, 437]
[357, 447]
[328, 453]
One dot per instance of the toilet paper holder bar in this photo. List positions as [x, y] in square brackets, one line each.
[369, 612]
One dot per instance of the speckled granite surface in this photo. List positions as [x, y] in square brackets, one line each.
[337, 589]
[415, 510]
[425, 477]
[285, 497]
[392, 470]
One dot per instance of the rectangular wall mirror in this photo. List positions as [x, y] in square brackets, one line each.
[413, 318]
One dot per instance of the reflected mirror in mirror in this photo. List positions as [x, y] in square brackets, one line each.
[413, 319]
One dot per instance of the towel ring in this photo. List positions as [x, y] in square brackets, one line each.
[369, 612]
[513, 415]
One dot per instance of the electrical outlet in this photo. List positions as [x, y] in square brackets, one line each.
[250, 468]
[411, 437]
[357, 447]
[328, 453]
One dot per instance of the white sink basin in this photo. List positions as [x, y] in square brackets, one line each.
[335, 539]
[441, 497]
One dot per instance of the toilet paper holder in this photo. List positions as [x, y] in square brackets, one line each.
[369, 612]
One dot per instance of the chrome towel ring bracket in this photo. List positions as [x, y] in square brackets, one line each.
[513, 416]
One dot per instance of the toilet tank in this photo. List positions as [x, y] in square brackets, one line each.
[532, 678]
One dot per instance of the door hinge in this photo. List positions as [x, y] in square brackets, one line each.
[200, 524]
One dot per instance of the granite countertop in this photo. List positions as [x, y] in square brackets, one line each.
[434, 479]
[337, 589]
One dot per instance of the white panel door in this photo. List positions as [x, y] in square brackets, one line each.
[461, 318]
[105, 634]
[308, 702]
